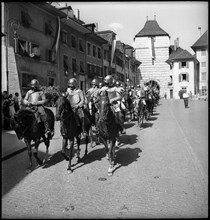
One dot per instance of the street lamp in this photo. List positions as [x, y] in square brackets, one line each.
[15, 24]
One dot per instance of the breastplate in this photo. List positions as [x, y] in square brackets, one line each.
[34, 97]
[111, 93]
[74, 98]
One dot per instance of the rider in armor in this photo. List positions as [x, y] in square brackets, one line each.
[92, 94]
[100, 85]
[35, 100]
[114, 96]
[77, 101]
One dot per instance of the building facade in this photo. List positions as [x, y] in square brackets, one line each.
[200, 48]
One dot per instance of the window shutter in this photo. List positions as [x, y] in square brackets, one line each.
[180, 66]
[179, 77]
[187, 64]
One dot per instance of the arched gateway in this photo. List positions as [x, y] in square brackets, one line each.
[153, 83]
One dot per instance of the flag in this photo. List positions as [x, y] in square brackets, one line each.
[113, 50]
[54, 48]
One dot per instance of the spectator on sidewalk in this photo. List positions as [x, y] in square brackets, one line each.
[186, 98]
[16, 102]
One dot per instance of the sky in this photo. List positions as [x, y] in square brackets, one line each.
[178, 18]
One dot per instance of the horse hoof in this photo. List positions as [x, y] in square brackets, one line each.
[107, 156]
[110, 173]
[69, 171]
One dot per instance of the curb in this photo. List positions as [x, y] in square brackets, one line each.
[13, 154]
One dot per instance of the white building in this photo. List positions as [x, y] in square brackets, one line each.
[201, 52]
[183, 72]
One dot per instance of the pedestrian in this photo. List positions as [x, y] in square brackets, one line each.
[186, 98]
[165, 95]
[16, 102]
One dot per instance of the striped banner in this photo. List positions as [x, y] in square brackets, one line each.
[54, 48]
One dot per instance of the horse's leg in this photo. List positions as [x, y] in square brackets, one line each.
[28, 144]
[78, 148]
[111, 157]
[117, 140]
[106, 147]
[64, 145]
[37, 142]
[47, 144]
[91, 137]
[86, 145]
[71, 141]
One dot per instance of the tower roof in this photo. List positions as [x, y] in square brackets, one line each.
[151, 28]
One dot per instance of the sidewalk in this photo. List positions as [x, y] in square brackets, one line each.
[11, 145]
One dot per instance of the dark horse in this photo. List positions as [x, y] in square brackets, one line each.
[69, 129]
[129, 104]
[27, 126]
[108, 128]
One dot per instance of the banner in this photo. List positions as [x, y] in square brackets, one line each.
[113, 50]
[54, 48]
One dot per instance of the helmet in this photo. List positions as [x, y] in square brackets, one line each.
[72, 82]
[94, 82]
[138, 86]
[100, 84]
[109, 80]
[34, 83]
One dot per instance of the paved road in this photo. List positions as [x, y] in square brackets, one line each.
[160, 173]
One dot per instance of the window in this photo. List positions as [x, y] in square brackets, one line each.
[203, 52]
[25, 19]
[89, 69]
[81, 45]
[74, 65]
[184, 77]
[65, 65]
[203, 76]
[73, 41]
[203, 64]
[99, 53]
[64, 37]
[23, 47]
[203, 90]
[183, 65]
[34, 50]
[81, 69]
[94, 50]
[88, 49]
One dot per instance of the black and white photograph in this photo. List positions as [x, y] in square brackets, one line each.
[104, 110]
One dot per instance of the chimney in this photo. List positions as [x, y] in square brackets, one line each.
[96, 28]
[147, 18]
[199, 31]
[175, 47]
[177, 42]
[78, 14]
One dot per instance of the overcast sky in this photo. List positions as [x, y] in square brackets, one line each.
[178, 18]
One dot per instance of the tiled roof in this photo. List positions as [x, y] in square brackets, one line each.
[201, 43]
[107, 35]
[180, 54]
[151, 28]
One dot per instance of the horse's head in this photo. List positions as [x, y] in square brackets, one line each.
[62, 106]
[104, 104]
[21, 121]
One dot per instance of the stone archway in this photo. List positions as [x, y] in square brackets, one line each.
[153, 83]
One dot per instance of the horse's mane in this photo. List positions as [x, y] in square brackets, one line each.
[62, 100]
[25, 114]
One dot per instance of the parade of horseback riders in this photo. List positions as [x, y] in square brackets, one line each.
[98, 116]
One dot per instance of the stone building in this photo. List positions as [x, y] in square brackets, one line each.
[200, 48]
[151, 46]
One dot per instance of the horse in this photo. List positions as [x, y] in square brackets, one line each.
[129, 104]
[69, 129]
[108, 128]
[141, 110]
[93, 112]
[29, 128]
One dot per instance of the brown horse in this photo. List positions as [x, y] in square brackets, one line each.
[27, 127]
[108, 128]
[69, 129]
